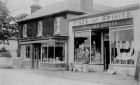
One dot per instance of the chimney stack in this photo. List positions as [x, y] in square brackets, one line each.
[86, 5]
[35, 6]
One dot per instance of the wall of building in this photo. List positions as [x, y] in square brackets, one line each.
[12, 48]
[32, 28]
[24, 62]
[63, 26]
[130, 12]
[48, 26]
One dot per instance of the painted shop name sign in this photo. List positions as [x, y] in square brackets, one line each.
[105, 18]
[104, 24]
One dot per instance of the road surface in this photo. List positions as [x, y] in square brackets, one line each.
[22, 77]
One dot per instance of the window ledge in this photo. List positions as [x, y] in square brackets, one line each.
[123, 65]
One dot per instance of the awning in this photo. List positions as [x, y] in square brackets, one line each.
[43, 40]
[37, 41]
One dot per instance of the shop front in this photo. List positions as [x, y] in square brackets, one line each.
[53, 55]
[104, 41]
[44, 54]
[88, 47]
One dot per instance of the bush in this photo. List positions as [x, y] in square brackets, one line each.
[5, 54]
[3, 49]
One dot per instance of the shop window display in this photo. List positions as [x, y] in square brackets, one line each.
[55, 53]
[44, 54]
[88, 47]
[82, 47]
[96, 47]
[122, 46]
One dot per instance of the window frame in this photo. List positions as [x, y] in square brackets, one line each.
[120, 28]
[40, 28]
[28, 51]
[57, 25]
[24, 30]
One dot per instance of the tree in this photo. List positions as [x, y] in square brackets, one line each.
[7, 27]
[20, 16]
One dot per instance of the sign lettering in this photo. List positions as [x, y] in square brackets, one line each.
[104, 24]
[105, 18]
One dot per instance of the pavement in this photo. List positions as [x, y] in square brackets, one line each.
[93, 78]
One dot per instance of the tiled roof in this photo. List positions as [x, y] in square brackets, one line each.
[95, 14]
[58, 8]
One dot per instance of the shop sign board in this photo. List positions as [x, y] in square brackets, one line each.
[104, 24]
[105, 18]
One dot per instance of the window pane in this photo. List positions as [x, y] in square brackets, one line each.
[96, 47]
[44, 54]
[28, 48]
[122, 46]
[82, 47]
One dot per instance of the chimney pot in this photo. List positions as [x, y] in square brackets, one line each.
[35, 6]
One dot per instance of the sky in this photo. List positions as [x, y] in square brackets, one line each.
[23, 6]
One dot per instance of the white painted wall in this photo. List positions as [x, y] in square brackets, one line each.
[71, 44]
[12, 47]
[137, 30]
[23, 52]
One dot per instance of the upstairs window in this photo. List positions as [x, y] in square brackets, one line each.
[40, 28]
[57, 25]
[25, 30]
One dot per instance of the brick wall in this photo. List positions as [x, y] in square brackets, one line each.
[48, 26]
[32, 28]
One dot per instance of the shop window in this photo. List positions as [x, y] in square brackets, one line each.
[25, 30]
[40, 28]
[51, 54]
[44, 54]
[88, 47]
[122, 45]
[28, 49]
[59, 52]
[82, 47]
[96, 47]
[55, 53]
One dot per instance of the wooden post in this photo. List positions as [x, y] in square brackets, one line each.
[37, 56]
[54, 51]
[102, 48]
[32, 59]
[47, 53]
[90, 46]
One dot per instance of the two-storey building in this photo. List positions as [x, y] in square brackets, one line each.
[107, 40]
[44, 33]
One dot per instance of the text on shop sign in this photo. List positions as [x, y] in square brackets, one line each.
[111, 17]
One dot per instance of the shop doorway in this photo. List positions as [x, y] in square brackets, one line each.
[36, 55]
[106, 50]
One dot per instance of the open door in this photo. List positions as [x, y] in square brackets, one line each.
[106, 50]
